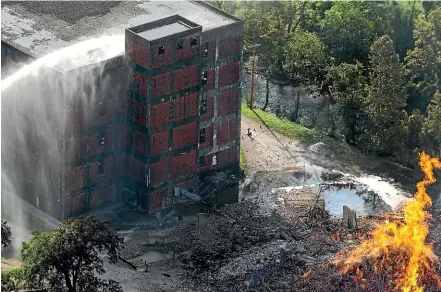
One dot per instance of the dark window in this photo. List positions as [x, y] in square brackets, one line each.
[194, 42]
[205, 50]
[102, 109]
[161, 50]
[101, 166]
[202, 161]
[180, 45]
[202, 134]
[205, 78]
[203, 109]
[102, 138]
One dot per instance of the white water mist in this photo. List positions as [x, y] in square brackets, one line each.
[37, 103]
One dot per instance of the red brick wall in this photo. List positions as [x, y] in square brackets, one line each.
[129, 49]
[210, 110]
[76, 120]
[186, 77]
[228, 103]
[139, 171]
[75, 178]
[123, 165]
[229, 46]
[211, 79]
[211, 54]
[159, 143]
[185, 135]
[161, 60]
[125, 108]
[107, 117]
[226, 157]
[227, 131]
[94, 198]
[184, 164]
[229, 74]
[107, 196]
[76, 149]
[208, 138]
[141, 83]
[160, 114]
[186, 106]
[160, 199]
[159, 172]
[95, 145]
[208, 164]
[187, 51]
[189, 184]
[140, 114]
[140, 143]
[78, 203]
[142, 56]
[161, 84]
[100, 196]
[124, 137]
[95, 177]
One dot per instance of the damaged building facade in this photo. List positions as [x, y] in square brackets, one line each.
[165, 117]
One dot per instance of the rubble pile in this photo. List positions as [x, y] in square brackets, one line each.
[241, 249]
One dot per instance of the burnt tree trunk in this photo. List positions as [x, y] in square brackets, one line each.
[267, 94]
[296, 110]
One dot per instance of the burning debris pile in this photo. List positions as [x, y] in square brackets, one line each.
[241, 248]
[397, 250]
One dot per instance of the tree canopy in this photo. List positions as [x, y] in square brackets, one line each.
[70, 257]
[379, 61]
[6, 234]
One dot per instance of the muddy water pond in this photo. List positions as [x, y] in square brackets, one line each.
[362, 202]
[150, 256]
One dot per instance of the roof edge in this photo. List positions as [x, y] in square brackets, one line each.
[217, 10]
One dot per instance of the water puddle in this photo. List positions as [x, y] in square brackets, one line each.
[358, 199]
[151, 256]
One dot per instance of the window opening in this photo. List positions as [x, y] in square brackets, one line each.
[194, 42]
[202, 135]
[205, 78]
[205, 51]
[161, 50]
[102, 137]
[214, 159]
[102, 109]
[101, 166]
[180, 45]
[202, 161]
[203, 109]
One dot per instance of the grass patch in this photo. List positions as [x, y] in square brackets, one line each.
[282, 126]
[8, 263]
[243, 161]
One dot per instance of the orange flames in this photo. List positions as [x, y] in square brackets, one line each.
[399, 250]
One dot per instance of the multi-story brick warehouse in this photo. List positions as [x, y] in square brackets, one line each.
[170, 117]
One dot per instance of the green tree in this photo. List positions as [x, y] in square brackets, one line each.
[68, 259]
[6, 234]
[347, 32]
[386, 99]
[433, 124]
[424, 61]
[416, 136]
[305, 56]
[428, 6]
[347, 87]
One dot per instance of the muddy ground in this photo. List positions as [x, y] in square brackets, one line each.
[279, 237]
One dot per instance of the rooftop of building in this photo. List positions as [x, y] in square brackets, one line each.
[38, 28]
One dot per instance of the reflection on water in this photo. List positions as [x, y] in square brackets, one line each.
[356, 198]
